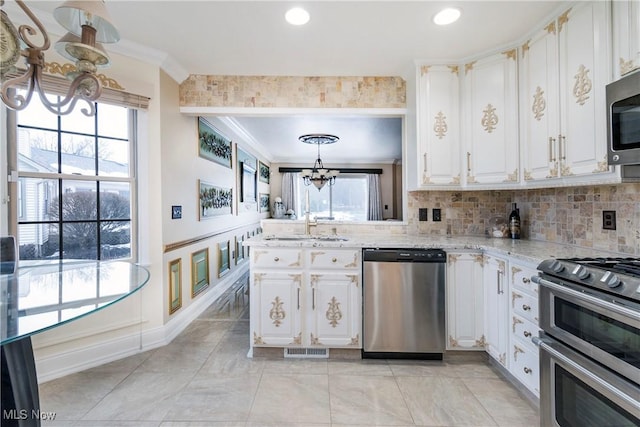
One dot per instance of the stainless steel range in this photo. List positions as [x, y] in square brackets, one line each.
[590, 342]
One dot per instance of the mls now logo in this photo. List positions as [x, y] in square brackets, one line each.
[24, 414]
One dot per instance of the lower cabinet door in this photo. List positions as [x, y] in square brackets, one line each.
[465, 302]
[334, 309]
[524, 364]
[276, 300]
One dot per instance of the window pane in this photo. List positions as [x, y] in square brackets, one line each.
[115, 200]
[36, 115]
[80, 240]
[79, 200]
[350, 196]
[345, 200]
[38, 199]
[113, 121]
[113, 157]
[78, 154]
[76, 121]
[38, 241]
[319, 201]
[37, 150]
[115, 239]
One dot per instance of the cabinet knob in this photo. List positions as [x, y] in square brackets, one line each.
[527, 370]
[276, 259]
[526, 280]
[527, 334]
[334, 259]
[526, 307]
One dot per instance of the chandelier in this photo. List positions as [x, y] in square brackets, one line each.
[319, 176]
[89, 24]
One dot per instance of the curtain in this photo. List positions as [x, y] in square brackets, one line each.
[374, 212]
[289, 190]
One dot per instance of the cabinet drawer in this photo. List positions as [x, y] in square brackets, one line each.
[522, 328]
[524, 305]
[524, 364]
[521, 278]
[342, 259]
[277, 258]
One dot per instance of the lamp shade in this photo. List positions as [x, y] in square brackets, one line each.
[72, 15]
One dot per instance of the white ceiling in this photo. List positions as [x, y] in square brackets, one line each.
[343, 38]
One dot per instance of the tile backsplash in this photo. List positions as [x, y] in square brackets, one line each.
[569, 215]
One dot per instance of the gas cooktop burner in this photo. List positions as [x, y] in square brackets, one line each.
[617, 276]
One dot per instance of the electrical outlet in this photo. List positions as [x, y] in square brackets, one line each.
[608, 220]
[437, 215]
[422, 214]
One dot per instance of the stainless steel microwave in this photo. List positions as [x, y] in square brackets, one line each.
[623, 120]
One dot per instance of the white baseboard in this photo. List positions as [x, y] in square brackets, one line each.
[65, 363]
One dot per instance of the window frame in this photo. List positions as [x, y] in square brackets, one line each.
[301, 187]
[17, 215]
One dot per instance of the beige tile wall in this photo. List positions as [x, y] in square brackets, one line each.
[293, 92]
[571, 215]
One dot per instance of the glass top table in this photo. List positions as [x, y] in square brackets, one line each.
[43, 296]
[46, 295]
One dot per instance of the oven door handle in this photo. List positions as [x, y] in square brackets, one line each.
[624, 311]
[544, 345]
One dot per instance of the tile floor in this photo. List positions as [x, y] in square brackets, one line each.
[203, 378]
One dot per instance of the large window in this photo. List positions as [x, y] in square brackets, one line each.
[346, 200]
[76, 183]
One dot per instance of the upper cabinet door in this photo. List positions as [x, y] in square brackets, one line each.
[583, 36]
[438, 126]
[626, 36]
[539, 104]
[491, 131]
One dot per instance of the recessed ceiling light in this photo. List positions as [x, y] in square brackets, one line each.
[446, 16]
[297, 16]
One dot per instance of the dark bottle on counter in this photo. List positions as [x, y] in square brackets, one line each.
[514, 222]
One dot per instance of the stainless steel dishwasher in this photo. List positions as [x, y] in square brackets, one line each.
[404, 303]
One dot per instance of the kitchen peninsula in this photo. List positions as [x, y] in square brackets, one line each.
[306, 293]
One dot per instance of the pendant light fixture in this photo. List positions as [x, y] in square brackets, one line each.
[89, 24]
[319, 176]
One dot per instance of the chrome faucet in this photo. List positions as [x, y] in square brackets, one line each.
[309, 223]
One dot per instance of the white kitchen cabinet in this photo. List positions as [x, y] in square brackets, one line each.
[465, 301]
[276, 316]
[438, 125]
[305, 297]
[335, 313]
[563, 73]
[276, 282]
[490, 129]
[496, 306]
[336, 305]
[626, 36]
[523, 312]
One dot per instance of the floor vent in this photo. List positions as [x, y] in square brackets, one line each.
[307, 353]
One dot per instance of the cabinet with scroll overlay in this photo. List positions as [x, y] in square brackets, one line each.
[305, 297]
[276, 293]
[438, 126]
[563, 72]
[490, 124]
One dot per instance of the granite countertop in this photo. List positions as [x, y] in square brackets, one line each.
[530, 251]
